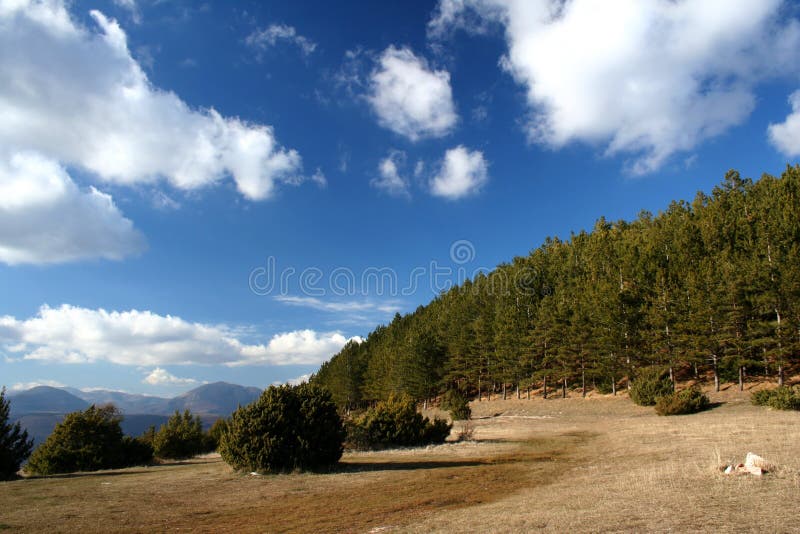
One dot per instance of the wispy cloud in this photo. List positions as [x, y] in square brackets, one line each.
[340, 306]
[269, 37]
[390, 180]
[24, 386]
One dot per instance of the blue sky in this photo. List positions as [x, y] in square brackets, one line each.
[160, 161]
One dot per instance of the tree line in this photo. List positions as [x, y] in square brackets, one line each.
[707, 288]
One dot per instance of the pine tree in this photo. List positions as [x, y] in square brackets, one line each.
[14, 443]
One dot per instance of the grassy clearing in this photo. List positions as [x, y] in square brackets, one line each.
[598, 464]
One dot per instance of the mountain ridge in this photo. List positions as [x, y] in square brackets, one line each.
[40, 408]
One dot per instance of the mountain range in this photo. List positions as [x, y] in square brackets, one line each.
[39, 409]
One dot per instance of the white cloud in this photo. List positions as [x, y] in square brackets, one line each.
[785, 136]
[390, 180]
[409, 98]
[645, 78]
[70, 334]
[338, 305]
[269, 37]
[462, 173]
[132, 8]
[46, 218]
[294, 381]
[162, 377]
[77, 96]
[24, 386]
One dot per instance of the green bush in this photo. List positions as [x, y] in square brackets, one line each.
[86, 441]
[688, 401]
[287, 428]
[780, 398]
[604, 386]
[14, 443]
[457, 404]
[181, 437]
[136, 451]
[761, 397]
[214, 434]
[649, 384]
[395, 422]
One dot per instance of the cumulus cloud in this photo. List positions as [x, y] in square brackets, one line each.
[644, 78]
[295, 381]
[77, 96]
[46, 218]
[785, 136]
[390, 181]
[162, 377]
[71, 334]
[24, 386]
[270, 36]
[409, 97]
[462, 173]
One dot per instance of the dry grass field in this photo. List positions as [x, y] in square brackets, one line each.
[599, 464]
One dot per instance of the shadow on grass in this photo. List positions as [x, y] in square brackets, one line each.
[135, 470]
[357, 467]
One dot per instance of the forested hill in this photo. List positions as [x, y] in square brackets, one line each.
[711, 286]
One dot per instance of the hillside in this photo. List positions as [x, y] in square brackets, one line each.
[709, 288]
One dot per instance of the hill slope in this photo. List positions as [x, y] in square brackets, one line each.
[219, 398]
[45, 399]
[707, 287]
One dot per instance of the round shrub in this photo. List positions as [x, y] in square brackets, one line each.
[181, 437]
[650, 384]
[85, 441]
[395, 422]
[457, 404]
[780, 398]
[287, 428]
[688, 401]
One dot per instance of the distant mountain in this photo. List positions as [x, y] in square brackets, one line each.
[128, 403]
[39, 409]
[45, 399]
[40, 425]
[219, 398]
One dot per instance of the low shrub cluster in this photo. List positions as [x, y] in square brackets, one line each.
[688, 401]
[781, 398]
[288, 428]
[649, 384]
[395, 423]
[457, 404]
[88, 440]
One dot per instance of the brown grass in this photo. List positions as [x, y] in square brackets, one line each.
[599, 464]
